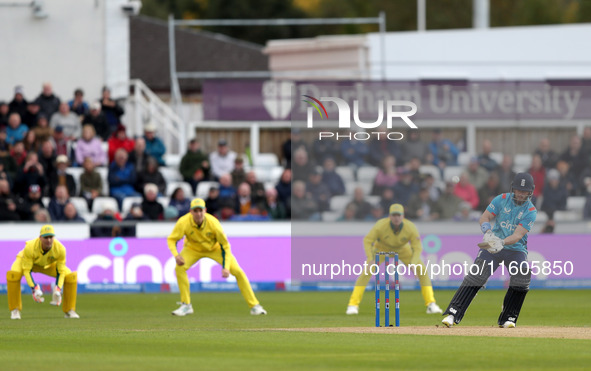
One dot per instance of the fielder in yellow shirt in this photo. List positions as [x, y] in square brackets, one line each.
[394, 234]
[205, 238]
[45, 254]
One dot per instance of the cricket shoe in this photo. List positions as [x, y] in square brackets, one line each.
[507, 324]
[257, 310]
[15, 314]
[433, 308]
[352, 309]
[183, 310]
[448, 321]
[71, 314]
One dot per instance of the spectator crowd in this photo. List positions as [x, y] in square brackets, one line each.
[55, 154]
[416, 174]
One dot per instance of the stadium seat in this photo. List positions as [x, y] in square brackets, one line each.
[102, 203]
[80, 204]
[331, 216]
[269, 185]
[539, 202]
[338, 203]
[542, 217]
[104, 173]
[568, 216]
[575, 203]
[346, 173]
[464, 158]
[88, 217]
[431, 169]
[374, 200]
[172, 160]
[75, 172]
[521, 162]
[450, 171]
[105, 146]
[350, 187]
[266, 160]
[263, 174]
[170, 174]
[275, 174]
[164, 201]
[497, 156]
[440, 184]
[203, 188]
[128, 202]
[367, 173]
[170, 187]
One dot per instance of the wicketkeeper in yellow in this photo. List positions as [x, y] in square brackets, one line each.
[394, 234]
[45, 254]
[205, 238]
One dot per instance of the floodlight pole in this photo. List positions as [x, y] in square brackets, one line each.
[382, 19]
[421, 15]
[175, 90]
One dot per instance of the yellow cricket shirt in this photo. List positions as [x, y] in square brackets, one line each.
[33, 255]
[204, 239]
[383, 237]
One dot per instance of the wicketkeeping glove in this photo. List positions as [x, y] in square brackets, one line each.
[38, 294]
[57, 296]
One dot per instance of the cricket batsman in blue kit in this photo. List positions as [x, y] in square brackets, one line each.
[506, 244]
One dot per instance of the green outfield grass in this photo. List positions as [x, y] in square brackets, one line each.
[137, 332]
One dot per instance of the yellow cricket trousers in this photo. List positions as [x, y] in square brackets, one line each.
[15, 275]
[191, 257]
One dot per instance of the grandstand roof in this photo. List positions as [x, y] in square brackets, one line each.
[196, 51]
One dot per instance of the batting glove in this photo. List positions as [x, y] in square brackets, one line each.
[496, 245]
[485, 227]
[38, 294]
[57, 296]
[492, 245]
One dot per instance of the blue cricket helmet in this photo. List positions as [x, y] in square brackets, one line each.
[523, 182]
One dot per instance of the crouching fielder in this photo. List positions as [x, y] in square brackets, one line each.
[394, 234]
[505, 243]
[205, 238]
[46, 255]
